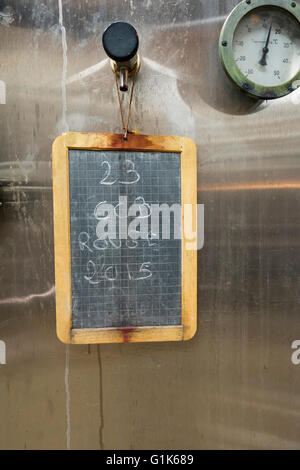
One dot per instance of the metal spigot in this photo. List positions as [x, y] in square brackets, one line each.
[123, 79]
[121, 42]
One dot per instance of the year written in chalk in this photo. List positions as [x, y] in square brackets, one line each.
[111, 273]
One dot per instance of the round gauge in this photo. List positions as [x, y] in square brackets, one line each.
[260, 47]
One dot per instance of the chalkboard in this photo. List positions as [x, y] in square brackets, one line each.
[123, 282]
[127, 286]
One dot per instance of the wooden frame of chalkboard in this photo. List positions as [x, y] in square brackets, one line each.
[139, 143]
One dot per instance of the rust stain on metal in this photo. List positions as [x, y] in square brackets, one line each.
[133, 142]
[126, 332]
[118, 141]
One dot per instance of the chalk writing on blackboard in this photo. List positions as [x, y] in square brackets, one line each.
[125, 267]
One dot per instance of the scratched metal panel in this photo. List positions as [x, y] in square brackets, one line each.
[233, 385]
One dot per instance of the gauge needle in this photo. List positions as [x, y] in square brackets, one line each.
[266, 49]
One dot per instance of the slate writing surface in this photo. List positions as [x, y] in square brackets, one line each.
[123, 283]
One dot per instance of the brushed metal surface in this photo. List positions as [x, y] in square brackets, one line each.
[233, 385]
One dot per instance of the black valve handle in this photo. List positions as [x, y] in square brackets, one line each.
[120, 41]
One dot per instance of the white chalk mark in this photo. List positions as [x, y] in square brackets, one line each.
[27, 298]
[83, 243]
[116, 245]
[87, 72]
[99, 217]
[193, 23]
[114, 272]
[145, 268]
[141, 203]
[91, 267]
[134, 242]
[65, 66]
[103, 244]
[68, 398]
[151, 236]
[129, 171]
[2, 92]
[128, 272]
[107, 174]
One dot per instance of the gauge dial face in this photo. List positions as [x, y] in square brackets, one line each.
[266, 46]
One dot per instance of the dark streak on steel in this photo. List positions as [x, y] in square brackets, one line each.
[101, 426]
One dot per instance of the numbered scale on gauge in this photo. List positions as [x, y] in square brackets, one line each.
[260, 47]
[266, 46]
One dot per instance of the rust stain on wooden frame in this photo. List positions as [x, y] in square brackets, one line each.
[144, 143]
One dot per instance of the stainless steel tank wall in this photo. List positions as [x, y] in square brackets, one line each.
[233, 385]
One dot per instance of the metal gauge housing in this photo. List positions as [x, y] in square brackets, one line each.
[260, 47]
